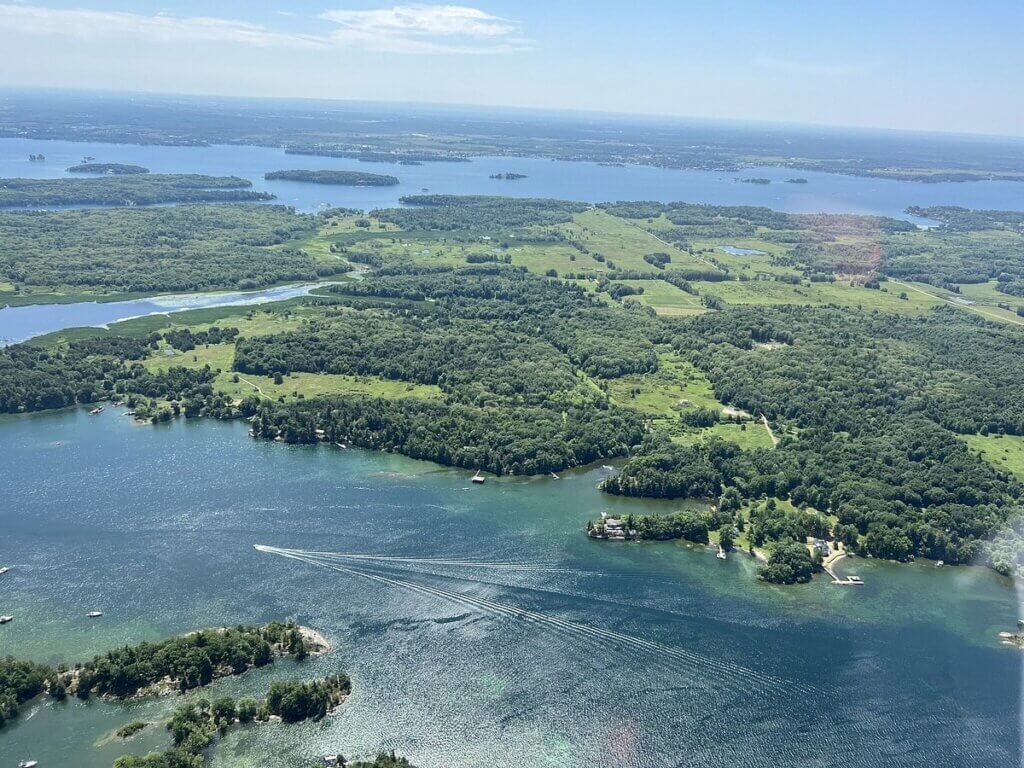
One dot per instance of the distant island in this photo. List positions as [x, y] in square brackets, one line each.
[796, 181]
[344, 178]
[756, 181]
[507, 176]
[114, 169]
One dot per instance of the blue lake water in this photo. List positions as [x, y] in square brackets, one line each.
[589, 182]
[560, 651]
[22, 323]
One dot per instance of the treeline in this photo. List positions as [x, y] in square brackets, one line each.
[343, 178]
[182, 248]
[524, 440]
[478, 212]
[128, 190]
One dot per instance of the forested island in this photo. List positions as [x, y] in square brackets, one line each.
[795, 376]
[188, 662]
[507, 176]
[344, 178]
[112, 169]
[127, 190]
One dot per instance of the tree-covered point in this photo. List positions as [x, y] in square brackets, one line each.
[183, 248]
[89, 370]
[343, 178]
[789, 563]
[113, 169]
[688, 525]
[875, 401]
[478, 212]
[128, 190]
[186, 662]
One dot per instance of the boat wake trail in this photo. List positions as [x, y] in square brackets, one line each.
[431, 561]
[704, 668]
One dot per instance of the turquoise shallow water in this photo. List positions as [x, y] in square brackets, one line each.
[584, 653]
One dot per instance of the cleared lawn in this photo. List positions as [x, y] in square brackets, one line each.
[773, 293]
[665, 298]
[1004, 452]
[622, 241]
[675, 387]
[747, 436]
[221, 357]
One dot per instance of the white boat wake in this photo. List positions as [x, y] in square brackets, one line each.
[705, 668]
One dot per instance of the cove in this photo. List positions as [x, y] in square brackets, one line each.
[19, 324]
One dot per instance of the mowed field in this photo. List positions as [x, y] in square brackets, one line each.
[1003, 451]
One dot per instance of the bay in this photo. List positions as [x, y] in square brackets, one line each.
[592, 653]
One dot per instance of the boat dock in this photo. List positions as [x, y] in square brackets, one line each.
[853, 581]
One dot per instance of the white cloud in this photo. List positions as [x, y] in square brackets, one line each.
[426, 29]
[400, 29]
[89, 24]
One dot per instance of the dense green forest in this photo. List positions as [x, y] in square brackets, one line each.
[481, 212]
[114, 169]
[346, 178]
[127, 190]
[181, 248]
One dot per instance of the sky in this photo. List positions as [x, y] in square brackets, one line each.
[938, 66]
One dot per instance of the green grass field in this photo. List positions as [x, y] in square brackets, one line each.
[1005, 452]
[772, 293]
[748, 436]
[665, 298]
[221, 357]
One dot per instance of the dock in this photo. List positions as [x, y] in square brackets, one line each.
[852, 581]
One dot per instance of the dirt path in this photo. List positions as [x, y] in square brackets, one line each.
[958, 305]
[775, 440]
[254, 386]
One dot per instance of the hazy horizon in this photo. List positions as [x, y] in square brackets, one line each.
[917, 67]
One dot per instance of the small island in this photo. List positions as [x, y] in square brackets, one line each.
[342, 178]
[111, 169]
[756, 181]
[796, 181]
[507, 176]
